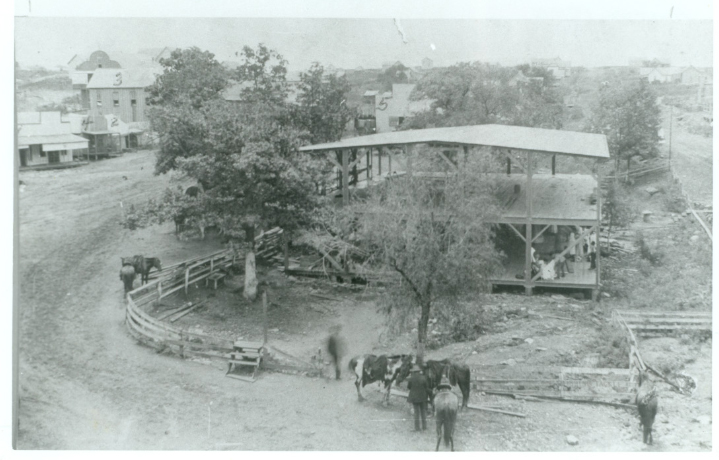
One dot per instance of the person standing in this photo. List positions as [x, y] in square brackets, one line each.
[418, 396]
[592, 255]
[335, 348]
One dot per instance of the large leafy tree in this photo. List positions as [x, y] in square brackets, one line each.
[189, 76]
[244, 155]
[263, 73]
[397, 73]
[628, 114]
[435, 236]
[477, 93]
[321, 105]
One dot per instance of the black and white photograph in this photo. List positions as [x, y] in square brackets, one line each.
[394, 228]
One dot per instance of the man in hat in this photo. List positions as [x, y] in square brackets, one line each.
[419, 392]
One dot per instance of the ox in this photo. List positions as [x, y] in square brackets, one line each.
[382, 369]
[458, 375]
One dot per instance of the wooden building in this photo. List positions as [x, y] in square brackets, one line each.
[44, 139]
[540, 211]
[119, 97]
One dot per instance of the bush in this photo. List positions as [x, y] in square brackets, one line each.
[612, 346]
[673, 200]
[649, 250]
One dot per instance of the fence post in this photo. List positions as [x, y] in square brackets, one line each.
[212, 264]
[159, 290]
[264, 314]
[187, 279]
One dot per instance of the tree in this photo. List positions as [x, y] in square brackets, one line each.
[244, 155]
[628, 114]
[189, 76]
[321, 105]
[616, 208]
[477, 93]
[397, 73]
[264, 71]
[436, 237]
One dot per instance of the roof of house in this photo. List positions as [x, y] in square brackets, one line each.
[512, 137]
[67, 138]
[42, 124]
[129, 78]
[558, 197]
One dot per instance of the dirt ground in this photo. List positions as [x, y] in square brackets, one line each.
[691, 155]
[86, 384]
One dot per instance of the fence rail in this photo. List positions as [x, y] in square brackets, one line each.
[172, 278]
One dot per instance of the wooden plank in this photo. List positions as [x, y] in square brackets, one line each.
[404, 394]
[534, 238]
[203, 346]
[247, 344]
[592, 370]
[517, 232]
[165, 332]
[173, 311]
[655, 320]
[640, 327]
[186, 312]
[628, 313]
[143, 317]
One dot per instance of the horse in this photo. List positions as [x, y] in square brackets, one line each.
[143, 265]
[446, 406]
[458, 375]
[127, 276]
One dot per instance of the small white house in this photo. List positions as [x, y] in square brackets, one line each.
[44, 138]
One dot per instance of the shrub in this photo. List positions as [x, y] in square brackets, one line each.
[649, 250]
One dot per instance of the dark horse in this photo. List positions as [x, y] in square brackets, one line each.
[127, 276]
[458, 375]
[446, 406]
[143, 265]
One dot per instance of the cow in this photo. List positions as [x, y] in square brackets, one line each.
[458, 375]
[371, 368]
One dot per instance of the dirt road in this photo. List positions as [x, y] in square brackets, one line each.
[86, 384]
[691, 157]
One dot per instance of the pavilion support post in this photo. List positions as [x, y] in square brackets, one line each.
[509, 166]
[368, 155]
[554, 164]
[465, 148]
[389, 156]
[528, 237]
[599, 233]
[379, 163]
[409, 152]
[345, 177]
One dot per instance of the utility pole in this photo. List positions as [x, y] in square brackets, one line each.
[671, 119]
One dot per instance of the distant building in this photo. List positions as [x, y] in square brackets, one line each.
[427, 63]
[83, 69]
[559, 68]
[521, 80]
[117, 107]
[684, 76]
[45, 139]
[385, 112]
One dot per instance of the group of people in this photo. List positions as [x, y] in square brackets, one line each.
[418, 385]
[557, 264]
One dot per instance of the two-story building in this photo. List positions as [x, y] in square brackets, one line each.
[385, 112]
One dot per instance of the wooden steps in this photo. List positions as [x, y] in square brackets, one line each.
[245, 354]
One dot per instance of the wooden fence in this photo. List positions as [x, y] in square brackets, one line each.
[161, 335]
[172, 278]
[565, 382]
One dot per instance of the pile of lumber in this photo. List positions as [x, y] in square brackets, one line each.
[269, 243]
[617, 246]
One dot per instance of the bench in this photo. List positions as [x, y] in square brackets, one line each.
[215, 277]
[245, 353]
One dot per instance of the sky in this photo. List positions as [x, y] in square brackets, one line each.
[351, 43]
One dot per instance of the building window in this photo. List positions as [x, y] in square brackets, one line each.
[99, 99]
[115, 99]
[43, 154]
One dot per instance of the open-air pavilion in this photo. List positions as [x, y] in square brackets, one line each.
[539, 210]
